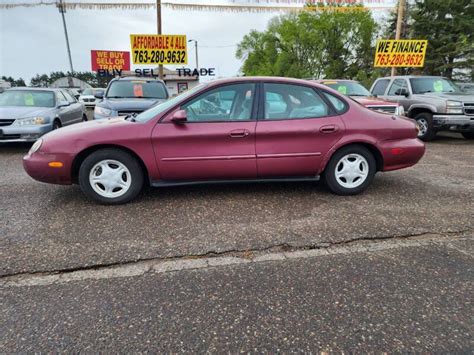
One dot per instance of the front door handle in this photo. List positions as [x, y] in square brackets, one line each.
[239, 133]
[329, 129]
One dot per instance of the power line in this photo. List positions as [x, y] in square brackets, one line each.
[258, 6]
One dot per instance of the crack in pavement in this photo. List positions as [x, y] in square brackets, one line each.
[283, 251]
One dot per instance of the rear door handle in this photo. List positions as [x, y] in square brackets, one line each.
[239, 133]
[329, 129]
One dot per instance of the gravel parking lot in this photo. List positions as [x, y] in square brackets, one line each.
[54, 230]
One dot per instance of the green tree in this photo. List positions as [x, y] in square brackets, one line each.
[337, 44]
[448, 25]
[14, 82]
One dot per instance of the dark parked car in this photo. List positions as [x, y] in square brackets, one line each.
[243, 129]
[129, 96]
[28, 113]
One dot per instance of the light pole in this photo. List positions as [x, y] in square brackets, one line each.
[159, 30]
[62, 10]
[196, 48]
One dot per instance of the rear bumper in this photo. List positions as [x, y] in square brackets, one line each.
[402, 153]
[36, 166]
[453, 122]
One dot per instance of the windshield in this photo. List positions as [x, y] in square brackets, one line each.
[348, 88]
[424, 85]
[137, 89]
[164, 106]
[27, 98]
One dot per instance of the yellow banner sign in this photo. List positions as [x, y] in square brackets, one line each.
[159, 49]
[400, 53]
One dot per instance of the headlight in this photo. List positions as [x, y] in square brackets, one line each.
[36, 146]
[400, 111]
[454, 107]
[102, 111]
[30, 121]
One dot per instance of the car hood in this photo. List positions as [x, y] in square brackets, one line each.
[449, 96]
[130, 104]
[14, 112]
[74, 137]
[87, 97]
[372, 100]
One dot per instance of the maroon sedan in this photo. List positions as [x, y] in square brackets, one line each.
[243, 129]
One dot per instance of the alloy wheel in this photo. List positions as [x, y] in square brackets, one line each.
[422, 126]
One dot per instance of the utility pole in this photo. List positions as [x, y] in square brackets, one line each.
[159, 29]
[196, 50]
[62, 10]
[401, 8]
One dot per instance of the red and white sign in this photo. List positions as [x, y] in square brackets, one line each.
[110, 60]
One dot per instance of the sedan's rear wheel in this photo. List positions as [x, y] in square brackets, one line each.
[350, 170]
[111, 176]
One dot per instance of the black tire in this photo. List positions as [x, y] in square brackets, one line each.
[468, 135]
[133, 166]
[84, 118]
[330, 172]
[426, 119]
[56, 124]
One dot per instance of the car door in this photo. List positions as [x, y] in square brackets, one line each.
[63, 108]
[216, 142]
[395, 92]
[75, 108]
[298, 129]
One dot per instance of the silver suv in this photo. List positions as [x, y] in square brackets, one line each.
[436, 103]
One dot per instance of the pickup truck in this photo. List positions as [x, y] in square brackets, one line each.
[436, 103]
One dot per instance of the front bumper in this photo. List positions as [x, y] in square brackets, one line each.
[460, 123]
[36, 166]
[23, 133]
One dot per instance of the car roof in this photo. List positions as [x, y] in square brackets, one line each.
[412, 77]
[268, 79]
[133, 78]
[322, 81]
[33, 88]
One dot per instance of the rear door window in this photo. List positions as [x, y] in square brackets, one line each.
[284, 101]
[380, 87]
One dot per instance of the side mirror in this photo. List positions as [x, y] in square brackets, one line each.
[99, 95]
[179, 117]
[402, 92]
[63, 104]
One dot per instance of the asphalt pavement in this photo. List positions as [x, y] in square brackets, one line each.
[414, 297]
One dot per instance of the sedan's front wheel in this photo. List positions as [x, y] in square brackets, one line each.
[350, 170]
[111, 176]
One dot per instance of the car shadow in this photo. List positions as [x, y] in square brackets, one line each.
[15, 147]
[451, 138]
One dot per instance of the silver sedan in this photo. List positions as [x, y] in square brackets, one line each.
[28, 113]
